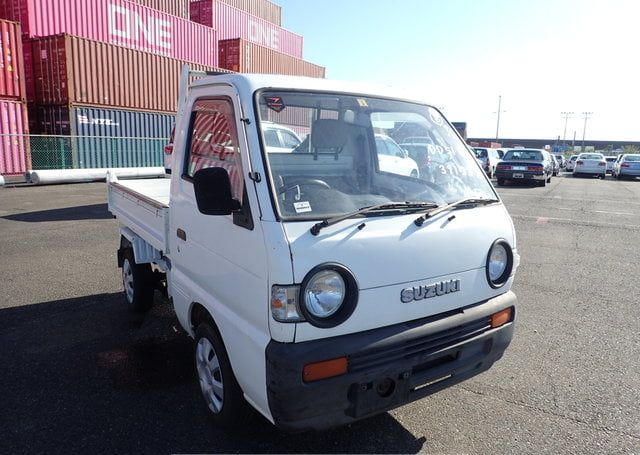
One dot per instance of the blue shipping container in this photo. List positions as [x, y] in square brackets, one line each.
[93, 137]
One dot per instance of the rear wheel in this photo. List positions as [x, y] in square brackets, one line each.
[619, 176]
[138, 282]
[500, 182]
[542, 183]
[218, 384]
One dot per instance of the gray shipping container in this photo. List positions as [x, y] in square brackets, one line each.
[94, 137]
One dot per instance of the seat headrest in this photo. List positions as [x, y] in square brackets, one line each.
[328, 134]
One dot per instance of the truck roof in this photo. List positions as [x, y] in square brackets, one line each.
[247, 82]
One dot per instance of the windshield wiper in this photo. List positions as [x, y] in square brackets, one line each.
[315, 229]
[475, 201]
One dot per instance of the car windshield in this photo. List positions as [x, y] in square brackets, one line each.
[590, 156]
[632, 158]
[349, 157]
[573, 157]
[532, 155]
[611, 159]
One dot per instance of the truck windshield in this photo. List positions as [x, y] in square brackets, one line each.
[351, 154]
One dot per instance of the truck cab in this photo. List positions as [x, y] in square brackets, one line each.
[320, 286]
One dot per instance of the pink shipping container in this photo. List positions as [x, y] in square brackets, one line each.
[14, 144]
[262, 8]
[12, 83]
[233, 23]
[245, 57]
[119, 22]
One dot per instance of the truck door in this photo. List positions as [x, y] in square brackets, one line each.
[220, 261]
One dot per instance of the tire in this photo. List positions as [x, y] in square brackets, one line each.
[138, 282]
[603, 176]
[549, 179]
[500, 182]
[619, 176]
[576, 175]
[492, 173]
[542, 183]
[220, 390]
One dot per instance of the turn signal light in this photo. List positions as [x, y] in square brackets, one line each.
[168, 149]
[501, 317]
[503, 167]
[625, 165]
[602, 164]
[325, 369]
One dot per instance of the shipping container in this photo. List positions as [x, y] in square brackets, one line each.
[98, 137]
[14, 142]
[119, 22]
[12, 81]
[233, 23]
[245, 57]
[71, 70]
[261, 8]
[178, 8]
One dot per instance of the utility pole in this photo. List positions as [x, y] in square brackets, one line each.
[573, 143]
[499, 111]
[567, 116]
[584, 130]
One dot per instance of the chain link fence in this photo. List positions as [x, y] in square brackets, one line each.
[83, 152]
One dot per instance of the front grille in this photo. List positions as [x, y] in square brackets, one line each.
[418, 347]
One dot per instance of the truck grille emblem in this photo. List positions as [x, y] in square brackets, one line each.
[431, 290]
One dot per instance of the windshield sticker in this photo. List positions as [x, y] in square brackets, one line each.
[362, 102]
[302, 207]
[435, 116]
[274, 103]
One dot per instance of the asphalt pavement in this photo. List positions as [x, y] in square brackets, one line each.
[82, 374]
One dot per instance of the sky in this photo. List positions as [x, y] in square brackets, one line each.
[542, 57]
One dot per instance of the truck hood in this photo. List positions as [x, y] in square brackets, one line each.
[391, 253]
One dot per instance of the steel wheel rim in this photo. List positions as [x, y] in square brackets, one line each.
[209, 375]
[127, 280]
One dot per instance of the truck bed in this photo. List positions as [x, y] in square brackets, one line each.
[142, 206]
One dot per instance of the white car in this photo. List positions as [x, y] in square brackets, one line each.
[611, 160]
[393, 158]
[279, 138]
[590, 164]
[571, 162]
[627, 165]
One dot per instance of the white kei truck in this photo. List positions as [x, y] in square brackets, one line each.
[318, 288]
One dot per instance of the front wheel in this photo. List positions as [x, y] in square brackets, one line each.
[138, 282]
[219, 387]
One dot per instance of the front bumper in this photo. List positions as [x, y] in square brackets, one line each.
[419, 357]
[526, 175]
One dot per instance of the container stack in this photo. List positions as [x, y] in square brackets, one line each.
[14, 145]
[101, 76]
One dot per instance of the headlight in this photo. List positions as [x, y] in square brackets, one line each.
[324, 293]
[328, 295]
[499, 263]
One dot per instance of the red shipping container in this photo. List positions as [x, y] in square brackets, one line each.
[12, 83]
[262, 8]
[14, 142]
[245, 57]
[118, 22]
[71, 70]
[233, 23]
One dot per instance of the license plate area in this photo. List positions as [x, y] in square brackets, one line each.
[519, 168]
[518, 175]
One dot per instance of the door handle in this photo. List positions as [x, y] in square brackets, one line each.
[181, 234]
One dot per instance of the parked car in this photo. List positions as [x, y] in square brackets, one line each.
[571, 162]
[561, 161]
[627, 165]
[419, 152]
[556, 165]
[590, 164]
[279, 138]
[490, 159]
[611, 160]
[533, 165]
[393, 158]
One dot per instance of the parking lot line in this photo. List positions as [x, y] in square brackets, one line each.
[634, 227]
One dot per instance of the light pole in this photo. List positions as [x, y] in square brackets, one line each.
[584, 130]
[566, 115]
[499, 111]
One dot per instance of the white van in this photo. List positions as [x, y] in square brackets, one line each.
[319, 287]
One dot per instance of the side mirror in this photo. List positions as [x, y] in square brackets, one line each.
[212, 188]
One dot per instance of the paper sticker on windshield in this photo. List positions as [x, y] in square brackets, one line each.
[275, 103]
[302, 207]
[435, 116]
[362, 102]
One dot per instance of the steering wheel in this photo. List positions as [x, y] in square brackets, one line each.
[305, 182]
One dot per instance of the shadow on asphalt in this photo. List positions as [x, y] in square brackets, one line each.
[82, 212]
[87, 375]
